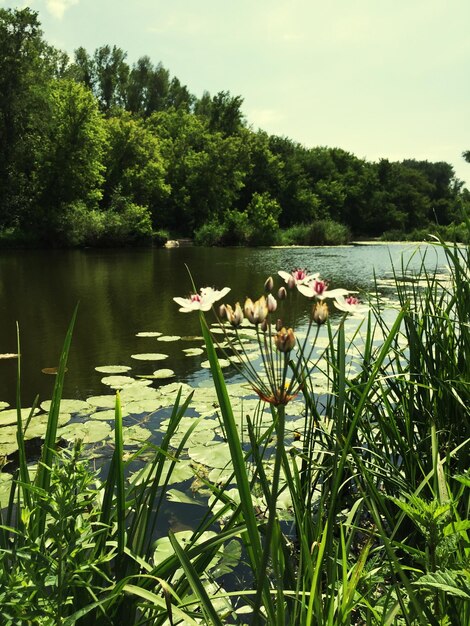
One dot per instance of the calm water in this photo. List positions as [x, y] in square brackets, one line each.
[123, 292]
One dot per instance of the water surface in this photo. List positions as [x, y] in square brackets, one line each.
[123, 292]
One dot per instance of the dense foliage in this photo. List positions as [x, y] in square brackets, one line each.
[94, 150]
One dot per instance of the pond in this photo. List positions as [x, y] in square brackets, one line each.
[122, 293]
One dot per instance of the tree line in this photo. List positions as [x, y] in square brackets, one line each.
[95, 150]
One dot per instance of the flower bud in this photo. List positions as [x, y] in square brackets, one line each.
[271, 302]
[249, 310]
[279, 325]
[291, 282]
[269, 284]
[264, 326]
[222, 311]
[285, 340]
[260, 310]
[320, 313]
[282, 293]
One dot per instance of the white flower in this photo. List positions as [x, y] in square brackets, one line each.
[297, 276]
[350, 305]
[316, 288]
[201, 301]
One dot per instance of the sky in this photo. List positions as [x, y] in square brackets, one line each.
[378, 78]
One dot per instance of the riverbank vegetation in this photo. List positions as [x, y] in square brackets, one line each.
[95, 150]
[338, 494]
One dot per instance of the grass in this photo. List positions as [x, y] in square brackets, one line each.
[378, 523]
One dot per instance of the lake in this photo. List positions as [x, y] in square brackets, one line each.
[124, 292]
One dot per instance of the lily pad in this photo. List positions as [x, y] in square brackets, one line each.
[9, 416]
[164, 373]
[117, 382]
[164, 549]
[4, 405]
[112, 369]
[8, 355]
[90, 431]
[222, 362]
[68, 406]
[149, 334]
[149, 356]
[135, 434]
[169, 338]
[180, 472]
[193, 351]
[102, 402]
[215, 454]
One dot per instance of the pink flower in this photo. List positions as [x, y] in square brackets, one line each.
[316, 288]
[350, 304]
[201, 301]
[297, 276]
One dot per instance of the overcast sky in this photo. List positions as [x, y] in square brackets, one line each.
[379, 78]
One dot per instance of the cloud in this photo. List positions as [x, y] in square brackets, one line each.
[57, 8]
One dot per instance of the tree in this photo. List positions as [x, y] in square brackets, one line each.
[70, 166]
[26, 66]
[135, 169]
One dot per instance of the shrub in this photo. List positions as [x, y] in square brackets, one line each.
[210, 234]
[263, 214]
[318, 233]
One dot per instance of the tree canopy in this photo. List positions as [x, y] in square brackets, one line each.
[93, 148]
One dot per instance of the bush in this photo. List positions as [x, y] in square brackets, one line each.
[210, 234]
[318, 233]
[263, 214]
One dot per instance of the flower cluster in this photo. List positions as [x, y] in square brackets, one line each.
[276, 340]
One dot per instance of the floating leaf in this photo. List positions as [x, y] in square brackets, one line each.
[4, 405]
[90, 431]
[8, 355]
[169, 338]
[149, 356]
[51, 370]
[118, 382]
[5, 487]
[113, 369]
[135, 434]
[193, 351]
[164, 373]
[215, 454]
[9, 416]
[68, 406]
[149, 334]
[102, 402]
[164, 549]
[222, 362]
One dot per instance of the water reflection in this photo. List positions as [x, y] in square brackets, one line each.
[123, 292]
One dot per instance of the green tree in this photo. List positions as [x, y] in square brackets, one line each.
[135, 168]
[27, 64]
[70, 167]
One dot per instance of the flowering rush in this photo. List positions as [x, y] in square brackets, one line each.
[201, 301]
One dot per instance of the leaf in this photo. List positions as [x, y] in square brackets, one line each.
[452, 582]
[169, 338]
[113, 369]
[149, 356]
[148, 334]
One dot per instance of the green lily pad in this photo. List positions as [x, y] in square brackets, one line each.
[90, 431]
[169, 338]
[215, 454]
[113, 369]
[193, 351]
[149, 334]
[102, 402]
[9, 417]
[164, 549]
[135, 434]
[149, 356]
[117, 382]
[222, 362]
[68, 406]
[106, 415]
[38, 425]
[163, 373]
[180, 472]
[4, 405]
[138, 392]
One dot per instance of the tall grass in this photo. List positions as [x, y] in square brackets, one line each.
[378, 492]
